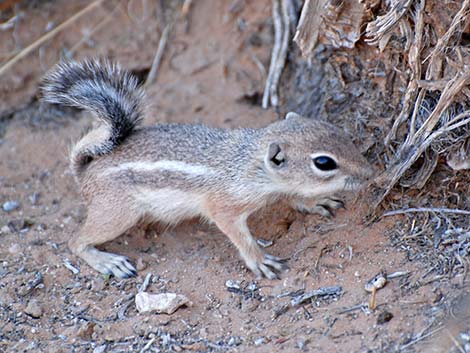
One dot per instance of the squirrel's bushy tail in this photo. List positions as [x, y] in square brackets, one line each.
[104, 89]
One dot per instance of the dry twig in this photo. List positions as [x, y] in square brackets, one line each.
[426, 209]
[281, 16]
[8, 24]
[148, 345]
[384, 24]
[417, 144]
[436, 57]
[102, 23]
[275, 52]
[37, 43]
[422, 134]
[421, 336]
[146, 283]
[415, 65]
[158, 55]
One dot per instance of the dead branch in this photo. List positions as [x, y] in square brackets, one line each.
[384, 24]
[335, 23]
[448, 95]
[307, 33]
[281, 59]
[277, 18]
[415, 65]
[420, 138]
[408, 154]
[434, 71]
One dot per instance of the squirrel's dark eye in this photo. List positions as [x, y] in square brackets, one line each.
[325, 163]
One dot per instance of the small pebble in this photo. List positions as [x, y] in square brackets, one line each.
[166, 303]
[264, 243]
[10, 206]
[98, 284]
[232, 284]
[249, 305]
[85, 332]
[14, 249]
[465, 336]
[195, 347]
[302, 343]
[100, 349]
[203, 332]
[259, 341]
[234, 341]
[41, 227]
[33, 309]
[140, 264]
[252, 286]
[34, 198]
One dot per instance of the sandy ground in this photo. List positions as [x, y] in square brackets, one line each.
[210, 74]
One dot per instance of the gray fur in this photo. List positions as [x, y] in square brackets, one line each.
[171, 172]
[102, 88]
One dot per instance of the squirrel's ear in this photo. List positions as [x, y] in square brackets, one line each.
[292, 115]
[275, 156]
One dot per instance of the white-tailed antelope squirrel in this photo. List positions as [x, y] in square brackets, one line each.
[171, 172]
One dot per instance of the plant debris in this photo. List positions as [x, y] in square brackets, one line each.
[334, 291]
[375, 283]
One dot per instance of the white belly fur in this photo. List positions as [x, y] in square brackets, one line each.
[170, 206]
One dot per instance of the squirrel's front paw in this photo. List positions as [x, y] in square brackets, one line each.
[109, 264]
[323, 207]
[326, 207]
[267, 266]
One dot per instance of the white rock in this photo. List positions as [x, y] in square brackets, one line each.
[100, 349]
[33, 309]
[14, 249]
[10, 206]
[166, 303]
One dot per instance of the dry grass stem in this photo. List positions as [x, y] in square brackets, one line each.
[415, 65]
[426, 209]
[158, 55]
[439, 122]
[437, 55]
[36, 44]
[8, 24]
[148, 345]
[448, 95]
[420, 337]
[102, 23]
[455, 342]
